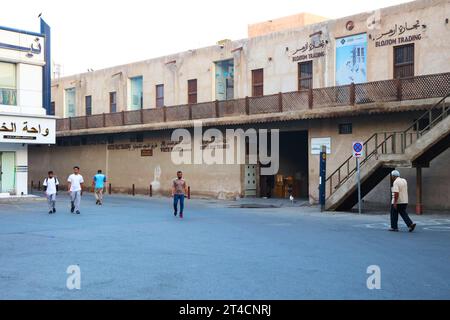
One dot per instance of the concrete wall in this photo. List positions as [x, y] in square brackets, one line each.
[125, 167]
[274, 53]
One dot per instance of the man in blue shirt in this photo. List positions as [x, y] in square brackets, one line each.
[98, 183]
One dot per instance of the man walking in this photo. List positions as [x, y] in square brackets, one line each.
[75, 187]
[98, 183]
[51, 184]
[399, 202]
[179, 190]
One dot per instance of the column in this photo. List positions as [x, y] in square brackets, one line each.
[419, 209]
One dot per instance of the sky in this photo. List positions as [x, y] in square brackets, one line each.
[96, 34]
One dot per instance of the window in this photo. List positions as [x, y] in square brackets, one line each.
[404, 61]
[305, 75]
[8, 84]
[112, 102]
[88, 102]
[160, 95]
[110, 139]
[136, 101]
[345, 128]
[258, 83]
[52, 108]
[192, 91]
[70, 103]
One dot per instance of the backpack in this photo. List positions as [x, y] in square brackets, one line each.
[56, 183]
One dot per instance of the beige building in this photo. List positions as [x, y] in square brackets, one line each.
[329, 83]
[282, 24]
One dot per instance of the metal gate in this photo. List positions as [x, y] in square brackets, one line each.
[250, 180]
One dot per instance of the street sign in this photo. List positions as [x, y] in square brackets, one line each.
[357, 149]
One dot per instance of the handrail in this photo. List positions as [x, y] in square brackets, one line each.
[426, 113]
[389, 136]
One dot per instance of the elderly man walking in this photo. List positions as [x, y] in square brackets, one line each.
[399, 202]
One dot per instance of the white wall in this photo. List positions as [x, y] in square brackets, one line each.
[29, 89]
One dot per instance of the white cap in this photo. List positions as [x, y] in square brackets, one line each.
[395, 173]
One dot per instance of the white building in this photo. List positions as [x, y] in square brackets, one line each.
[23, 116]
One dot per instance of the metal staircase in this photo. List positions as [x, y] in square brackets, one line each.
[425, 139]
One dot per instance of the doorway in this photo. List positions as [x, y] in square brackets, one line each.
[7, 172]
[292, 176]
[250, 180]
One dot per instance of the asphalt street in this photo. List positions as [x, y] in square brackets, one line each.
[134, 248]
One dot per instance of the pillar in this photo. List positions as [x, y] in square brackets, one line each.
[419, 208]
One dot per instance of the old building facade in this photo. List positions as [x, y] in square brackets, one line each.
[327, 83]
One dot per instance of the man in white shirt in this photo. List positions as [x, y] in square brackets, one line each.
[51, 184]
[399, 202]
[75, 187]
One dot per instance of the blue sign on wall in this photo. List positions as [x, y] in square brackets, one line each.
[351, 58]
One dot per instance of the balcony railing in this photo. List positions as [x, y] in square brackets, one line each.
[8, 97]
[420, 87]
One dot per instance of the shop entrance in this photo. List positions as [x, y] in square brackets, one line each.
[7, 172]
[292, 177]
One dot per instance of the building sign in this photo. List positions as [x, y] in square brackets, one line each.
[14, 129]
[21, 46]
[399, 34]
[132, 147]
[147, 153]
[351, 58]
[317, 143]
[310, 50]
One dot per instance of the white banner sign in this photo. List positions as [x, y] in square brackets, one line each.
[317, 143]
[21, 46]
[30, 130]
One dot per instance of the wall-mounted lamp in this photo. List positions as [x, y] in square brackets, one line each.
[446, 20]
[270, 59]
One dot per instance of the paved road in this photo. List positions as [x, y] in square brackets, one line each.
[133, 248]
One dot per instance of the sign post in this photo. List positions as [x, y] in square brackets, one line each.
[323, 175]
[357, 149]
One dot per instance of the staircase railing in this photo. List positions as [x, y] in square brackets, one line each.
[389, 143]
